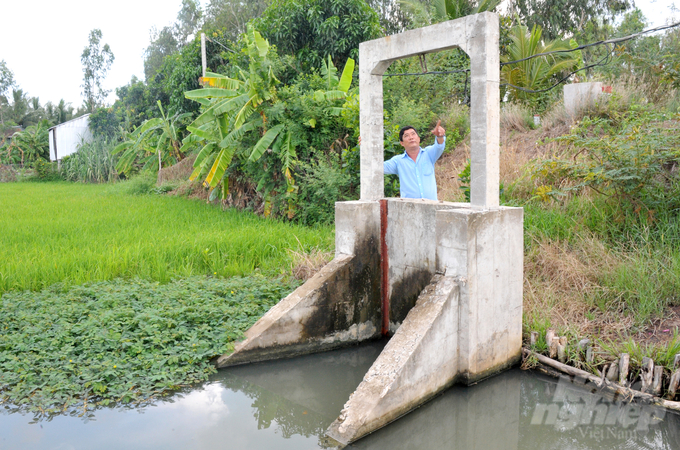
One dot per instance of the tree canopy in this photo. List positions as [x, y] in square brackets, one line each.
[559, 18]
[313, 29]
[96, 59]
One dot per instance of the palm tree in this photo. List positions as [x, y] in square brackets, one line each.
[539, 73]
[443, 10]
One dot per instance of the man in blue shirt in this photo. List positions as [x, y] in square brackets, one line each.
[415, 166]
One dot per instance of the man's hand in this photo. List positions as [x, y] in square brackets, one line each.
[439, 131]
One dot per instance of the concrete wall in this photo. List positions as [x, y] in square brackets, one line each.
[411, 249]
[339, 306]
[484, 251]
[579, 95]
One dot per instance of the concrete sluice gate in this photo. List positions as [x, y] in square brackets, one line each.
[444, 280]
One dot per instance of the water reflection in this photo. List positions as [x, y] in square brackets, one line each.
[302, 396]
[289, 404]
[570, 413]
[484, 416]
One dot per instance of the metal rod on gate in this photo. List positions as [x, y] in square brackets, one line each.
[203, 59]
[385, 269]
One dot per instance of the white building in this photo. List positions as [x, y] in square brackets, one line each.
[65, 137]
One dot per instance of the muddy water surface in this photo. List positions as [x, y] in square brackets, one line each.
[289, 404]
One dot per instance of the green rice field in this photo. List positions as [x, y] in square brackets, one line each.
[75, 233]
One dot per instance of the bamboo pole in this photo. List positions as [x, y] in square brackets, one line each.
[562, 349]
[647, 374]
[534, 338]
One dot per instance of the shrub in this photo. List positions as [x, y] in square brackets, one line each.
[141, 184]
[516, 117]
[92, 163]
[322, 183]
[630, 158]
[45, 170]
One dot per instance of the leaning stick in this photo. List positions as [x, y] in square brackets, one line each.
[603, 383]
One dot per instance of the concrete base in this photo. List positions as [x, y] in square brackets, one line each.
[466, 324]
[418, 362]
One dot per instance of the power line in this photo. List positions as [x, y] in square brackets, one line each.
[602, 62]
[220, 44]
[592, 44]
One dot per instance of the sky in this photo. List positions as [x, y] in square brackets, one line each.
[41, 41]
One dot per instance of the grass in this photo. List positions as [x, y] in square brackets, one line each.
[76, 233]
[600, 263]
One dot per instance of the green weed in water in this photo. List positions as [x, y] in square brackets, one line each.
[121, 341]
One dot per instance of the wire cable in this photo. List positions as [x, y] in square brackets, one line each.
[607, 58]
[603, 62]
[592, 44]
[220, 44]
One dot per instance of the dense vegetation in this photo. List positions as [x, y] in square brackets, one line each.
[112, 296]
[65, 349]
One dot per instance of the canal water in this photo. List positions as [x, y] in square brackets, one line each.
[289, 404]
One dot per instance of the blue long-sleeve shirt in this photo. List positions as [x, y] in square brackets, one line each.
[416, 179]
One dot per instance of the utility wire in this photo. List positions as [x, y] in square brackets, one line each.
[592, 44]
[602, 62]
[220, 44]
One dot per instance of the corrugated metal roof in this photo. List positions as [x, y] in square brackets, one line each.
[69, 121]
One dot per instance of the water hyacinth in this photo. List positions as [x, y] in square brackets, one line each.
[65, 349]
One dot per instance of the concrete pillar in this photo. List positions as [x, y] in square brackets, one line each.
[484, 250]
[371, 126]
[484, 111]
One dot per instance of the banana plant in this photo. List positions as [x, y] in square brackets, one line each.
[153, 144]
[232, 107]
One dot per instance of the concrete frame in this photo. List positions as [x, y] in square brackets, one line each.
[478, 36]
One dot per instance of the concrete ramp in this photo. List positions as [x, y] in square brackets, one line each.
[339, 306]
[419, 361]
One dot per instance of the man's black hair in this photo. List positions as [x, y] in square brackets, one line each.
[403, 130]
